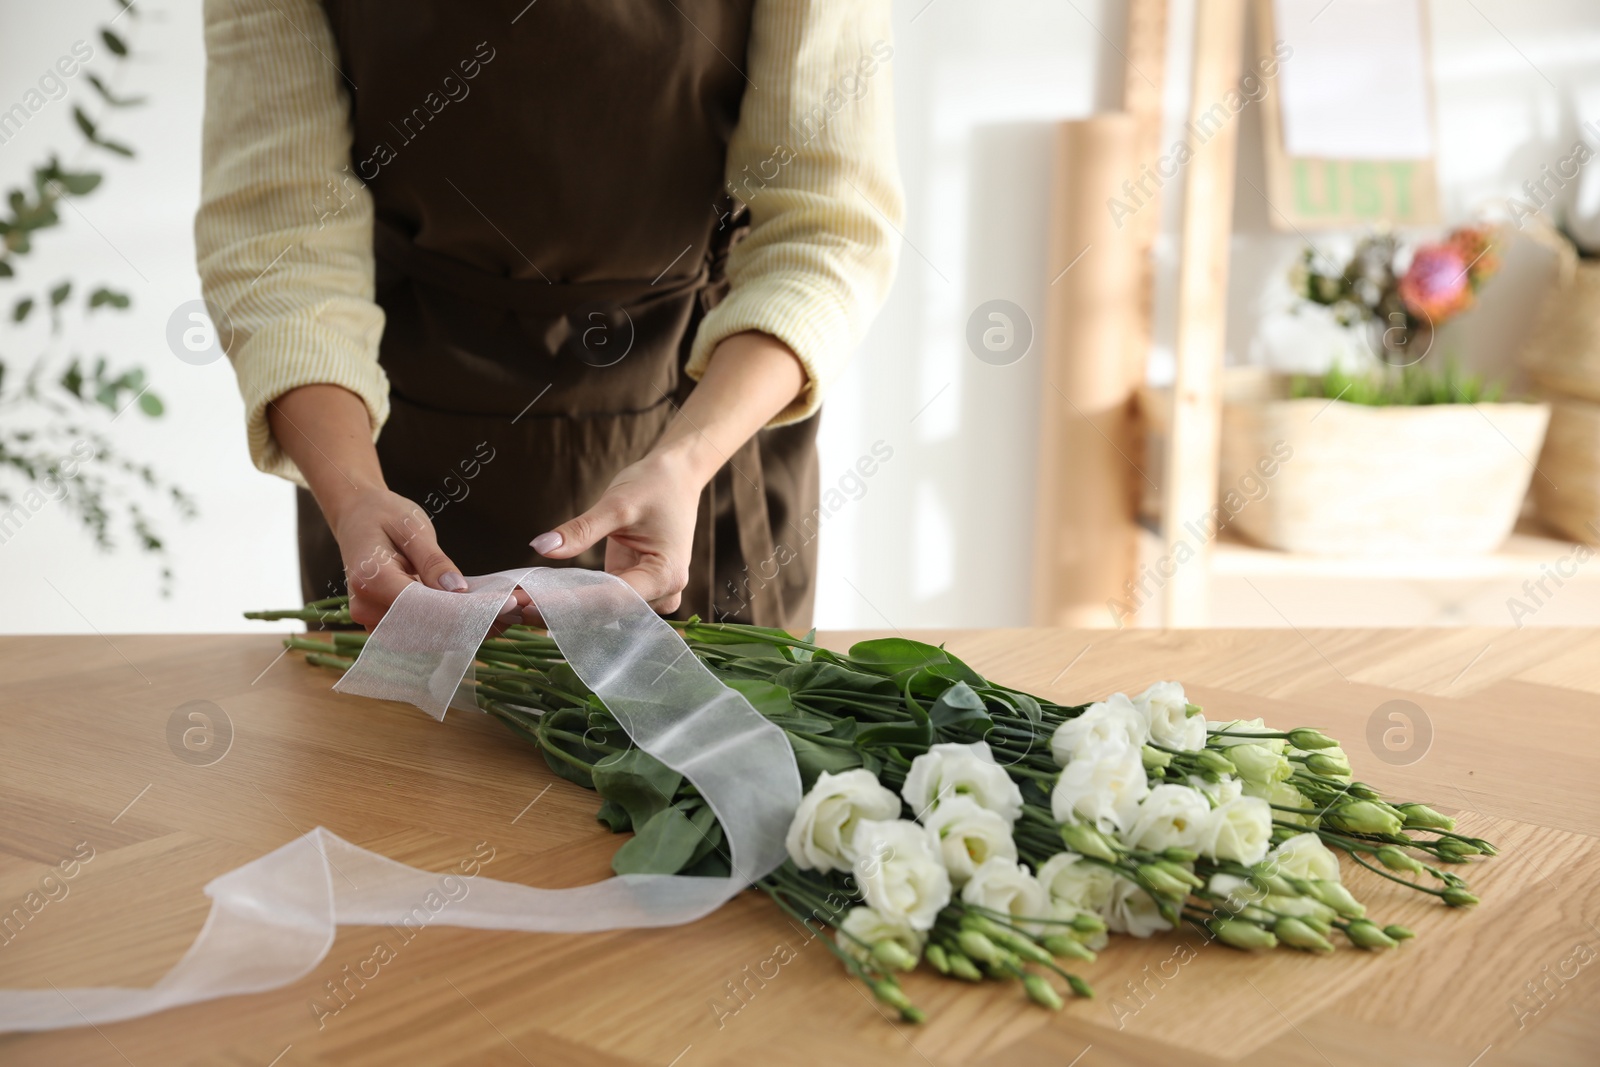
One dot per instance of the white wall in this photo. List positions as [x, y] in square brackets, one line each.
[941, 534]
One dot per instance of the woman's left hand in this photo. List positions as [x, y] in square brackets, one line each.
[647, 515]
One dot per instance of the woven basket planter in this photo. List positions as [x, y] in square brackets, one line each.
[1571, 460]
[1562, 352]
[1360, 480]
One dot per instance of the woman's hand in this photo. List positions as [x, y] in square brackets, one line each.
[648, 512]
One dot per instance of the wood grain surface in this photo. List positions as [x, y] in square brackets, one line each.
[1504, 727]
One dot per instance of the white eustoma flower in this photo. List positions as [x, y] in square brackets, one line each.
[1165, 709]
[1112, 719]
[951, 770]
[1237, 893]
[966, 836]
[866, 924]
[823, 828]
[1248, 726]
[1006, 886]
[1171, 816]
[1305, 856]
[1260, 764]
[1130, 910]
[1286, 795]
[1239, 830]
[1074, 884]
[899, 873]
[1103, 787]
[1218, 792]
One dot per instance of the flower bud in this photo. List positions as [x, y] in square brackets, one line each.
[893, 955]
[1211, 760]
[1272, 883]
[1242, 935]
[1298, 934]
[1317, 922]
[1367, 934]
[1088, 923]
[1170, 911]
[1259, 764]
[1041, 992]
[1364, 817]
[935, 955]
[1422, 817]
[1181, 873]
[962, 967]
[1451, 849]
[1458, 897]
[1306, 738]
[895, 997]
[1079, 986]
[1339, 899]
[1162, 884]
[1398, 932]
[1191, 710]
[1154, 759]
[1330, 766]
[1088, 841]
[1363, 791]
[1398, 860]
[1180, 855]
[978, 946]
[1485, 847]
[1070, 947]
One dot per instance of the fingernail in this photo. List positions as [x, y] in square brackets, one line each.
[546, 542]
[510, 605]
[453, 582]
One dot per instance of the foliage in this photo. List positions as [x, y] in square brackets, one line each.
[1417, 384]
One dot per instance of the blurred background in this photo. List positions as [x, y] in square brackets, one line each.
[1365, 270]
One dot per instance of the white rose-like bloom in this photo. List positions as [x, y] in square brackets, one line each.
[821, 833]
[1006, 886]
[1166, 714]
[871, 927]
[966, 836]
[1130, 910]
[1112, 719]
[1219, 792]
[1237, 893]
[899, 873]
[1248, 726]
[1239, 830]
[1305, 856]
[951, 770]
[1171, 816]
[1074, 885]
[1103, 787]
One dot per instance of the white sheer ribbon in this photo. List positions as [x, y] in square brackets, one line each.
[273, 920]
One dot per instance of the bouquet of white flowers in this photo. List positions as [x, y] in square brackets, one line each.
[988, 832]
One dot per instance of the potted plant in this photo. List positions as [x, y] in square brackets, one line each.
[1406, 454]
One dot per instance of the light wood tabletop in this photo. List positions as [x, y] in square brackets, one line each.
[1499, 728]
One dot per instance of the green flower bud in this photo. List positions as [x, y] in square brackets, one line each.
[1298, 934]
[1162, 884]
[1457, 897]
[1422, 817]
[1070, 947]
[1330, 766]
[1339, 899]
[1272, 883]
[962, 967]
[978, 947]
[1191, 710]
[1242, 935]
[1364, 817]
[1154, 759]
[1088, 841]
[1041, 992]
[895, 997]
[1398, 932]
[1367, 934]
[1307, 738]
[1450, 847]
[1180, 855]
[1181, 873]
[1170, 911]
[1485, 847]
[1259, 764]
[935, 955]
[1317, 922]
[1363, 791]
[1397, 860]
[1211, 760]
[1088, 923]
[1079, 986]
[893, 955]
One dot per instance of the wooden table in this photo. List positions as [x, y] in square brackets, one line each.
[86, 763]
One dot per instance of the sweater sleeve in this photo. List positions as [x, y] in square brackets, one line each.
[813, 159]
[283, 235]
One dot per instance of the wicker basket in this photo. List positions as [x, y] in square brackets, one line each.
[1570, 500]
[1562, 352]
[1361, 480]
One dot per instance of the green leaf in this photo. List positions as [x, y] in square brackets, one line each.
[6, 271]
[151, 405]
[768, 698]
[613, 815]
[103, 297]
[822, 677]
[114, 146]
[957, 704]
[814, 759]
[116, 44]
[111, 98]
[19, 311]
[85, 123]
[59, 294]
[664, 845]
[705, 822]
[895, 655]
[72, 379]
[641, 784]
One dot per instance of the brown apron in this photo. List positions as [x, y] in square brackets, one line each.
[551, 225]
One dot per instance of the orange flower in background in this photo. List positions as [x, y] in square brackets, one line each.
[1475, 245]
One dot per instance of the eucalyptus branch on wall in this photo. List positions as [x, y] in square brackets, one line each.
[57, 406]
